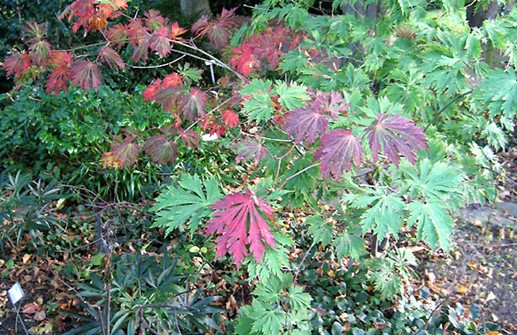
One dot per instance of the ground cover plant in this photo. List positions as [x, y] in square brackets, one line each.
[272, 174]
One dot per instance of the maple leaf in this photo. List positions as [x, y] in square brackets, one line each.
[39, 52]
[34, 31]
[60, 57]
[251, 149]
[218, 30]
[141, 51]
[136, 32]
[190, 138]
[83, 10]
[17, 64]
[230, 118]
[151, 90]
[97, 22]
[118, 4]
[159, 42]
[176, 31]
[161, 150]
[117, 35]
[338, 150]
[86, 74]
[111, 57]
[169, 98]
[172, 80]
[59, 79]
[123, 154]
[397, 135]
[153, 20]
[243, 59]
[307, 123]
[194, 104]
[239, 219]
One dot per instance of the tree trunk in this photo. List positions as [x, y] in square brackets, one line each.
[192, 8]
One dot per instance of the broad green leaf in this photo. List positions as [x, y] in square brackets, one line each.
[320, 230]
[349, 245]
[386, 214]
[298, 300]
[267, 320]
[434, 223]
[258, 104]
[189, 202]
[498, 93]
[291, 96]
[433, 181]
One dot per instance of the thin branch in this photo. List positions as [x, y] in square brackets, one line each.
[445, 107]
[298, 173]
[160, 65]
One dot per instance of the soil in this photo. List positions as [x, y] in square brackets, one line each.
[482, 268]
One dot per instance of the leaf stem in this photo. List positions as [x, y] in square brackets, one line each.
[298, 173]
[445, 107]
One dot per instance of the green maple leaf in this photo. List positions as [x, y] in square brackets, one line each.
[320, 230]
[189, 201]
[298, 300]
[266, 319]
[384, 214]
[434, 223]
[257, 105]
[433, 181]
[498, 93]
[349, 245]
[291, 96]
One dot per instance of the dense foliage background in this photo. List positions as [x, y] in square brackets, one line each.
[278, 173]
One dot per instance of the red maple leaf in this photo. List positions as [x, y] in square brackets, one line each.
[160, 42]
[153, 20]
[59, 79]
[397, 136]
[111, 57]
[83, 10]
[17, 64]
[230, 118]
[151, 90]
[243, 60]
[161, 150]
[136, 32]
[240, 222]
[194, 104]
[117, 35]
[172, 80]
[86, 74]
[60, 57]
[338, 150]
[169, 98]
[307, 123]
[218, 30]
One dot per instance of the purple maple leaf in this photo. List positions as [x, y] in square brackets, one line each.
[251, 149]
[397, 136]
[161, 150]
[308, 123]
[338, 150]
[194, 104]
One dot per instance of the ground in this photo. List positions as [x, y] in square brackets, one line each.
[480, 270]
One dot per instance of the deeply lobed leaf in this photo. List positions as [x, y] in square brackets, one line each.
[240, 223]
